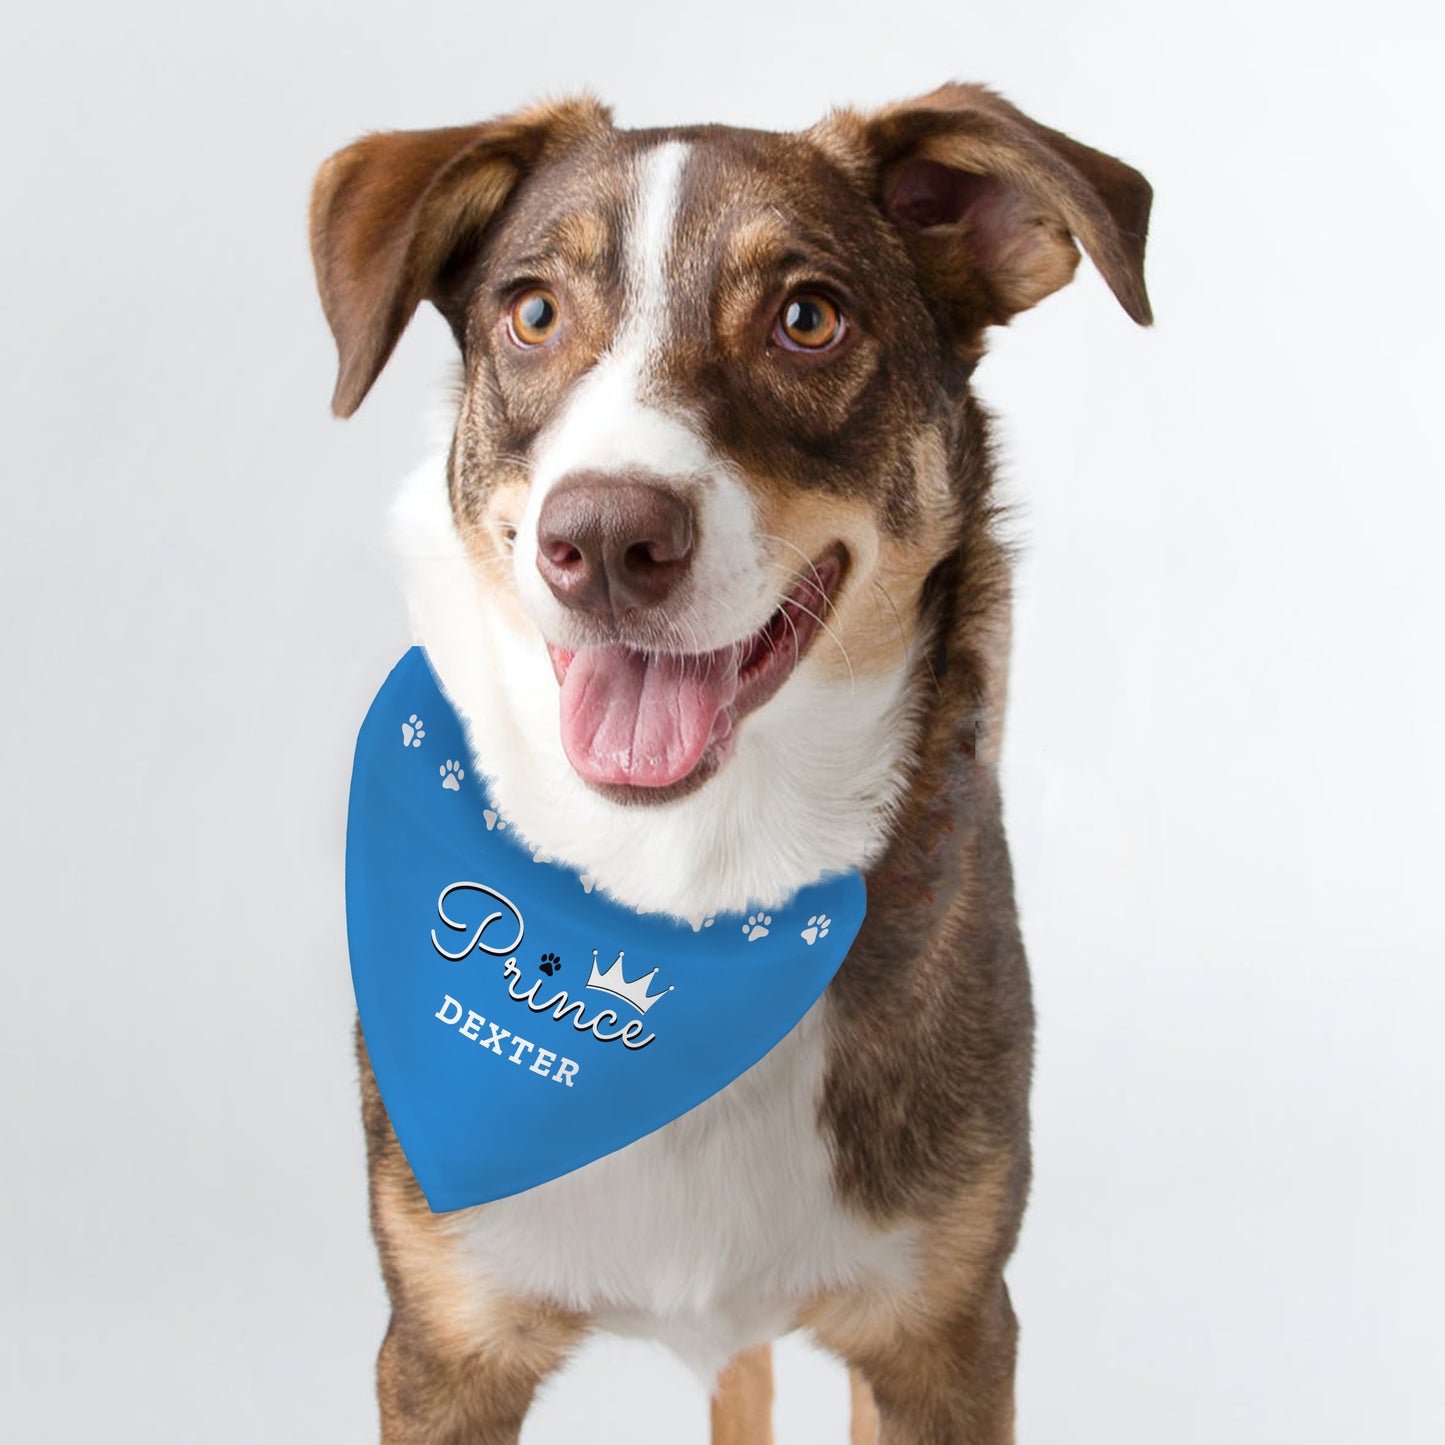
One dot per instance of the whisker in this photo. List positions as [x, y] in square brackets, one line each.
[808, 561]
[496, 560]
[694, 645]
[903, 634]
[837, 641]
[797, 647]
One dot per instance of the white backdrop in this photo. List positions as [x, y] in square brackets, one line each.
[1223, 769]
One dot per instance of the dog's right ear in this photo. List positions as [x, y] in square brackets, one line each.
[993, 206]
[397, 216]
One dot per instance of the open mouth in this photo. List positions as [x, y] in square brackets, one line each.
[664, 721]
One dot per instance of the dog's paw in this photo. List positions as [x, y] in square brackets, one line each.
[757, 926]
[452, 775]
[550, 964]
[412, 732]
[817, 928]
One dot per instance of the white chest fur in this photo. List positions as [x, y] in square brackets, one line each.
[706, 1235]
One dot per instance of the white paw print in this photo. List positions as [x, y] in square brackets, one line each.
[413, 730]
[541, 855]
[700, 921]
[452, 775]
[587, 881]
[817, 928]
[494, 820]
[757, 926]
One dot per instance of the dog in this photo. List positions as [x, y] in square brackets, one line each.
[718, 505]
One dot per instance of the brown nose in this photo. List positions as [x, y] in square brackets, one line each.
[610, 544]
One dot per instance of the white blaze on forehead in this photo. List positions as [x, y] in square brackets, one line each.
[649, 246]
[605, 425]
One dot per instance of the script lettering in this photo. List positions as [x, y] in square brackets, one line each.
[476, 941]
[560, 1006]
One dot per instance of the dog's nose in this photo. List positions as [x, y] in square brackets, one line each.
[610, 544]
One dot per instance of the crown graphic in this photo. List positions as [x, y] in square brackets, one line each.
[614, 983]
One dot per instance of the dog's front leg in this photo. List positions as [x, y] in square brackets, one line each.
[461, 1359]
[742, 1403]
[942, 1380]
[432, 1397]
[862, 1411]
[954, 1385]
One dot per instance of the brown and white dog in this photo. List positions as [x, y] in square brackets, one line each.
[718, 507]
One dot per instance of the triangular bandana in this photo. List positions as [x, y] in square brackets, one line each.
[521, 1024]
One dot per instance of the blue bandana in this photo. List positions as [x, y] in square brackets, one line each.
[520, 1024]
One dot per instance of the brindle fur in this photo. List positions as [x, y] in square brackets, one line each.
[926, 1097]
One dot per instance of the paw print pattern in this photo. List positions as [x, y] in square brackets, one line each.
[587, 881]
[757, 926]
[452, 775]
[413, 730]
[817, 928]
[700, 921]
[494, 820]
[550, 964]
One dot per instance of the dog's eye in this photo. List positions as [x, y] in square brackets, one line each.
[535, 316]
[808, 322]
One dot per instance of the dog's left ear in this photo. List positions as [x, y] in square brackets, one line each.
[990, 203]
[396, 218]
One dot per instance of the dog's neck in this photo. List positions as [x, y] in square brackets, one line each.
[814, 785]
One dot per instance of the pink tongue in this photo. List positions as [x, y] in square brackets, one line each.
[631, 718]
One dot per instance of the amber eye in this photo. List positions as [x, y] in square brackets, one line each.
[535, 315]
[808, 322]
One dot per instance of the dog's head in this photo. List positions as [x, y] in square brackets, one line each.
[714, 434]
